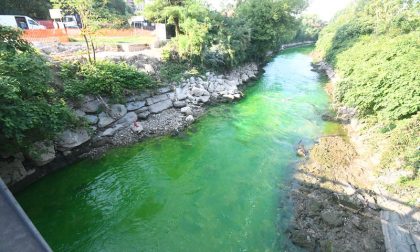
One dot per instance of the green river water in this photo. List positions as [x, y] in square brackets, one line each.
[221, 186]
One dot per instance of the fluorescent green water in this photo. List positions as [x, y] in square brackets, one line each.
[220, 187]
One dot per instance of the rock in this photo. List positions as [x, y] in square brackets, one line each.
[128, 119]
[149, 68]
[199, 92]
[229, 97]
[180, 104]
[314, 207]
[156, 99]
[301, 239]
[164, 90]
[237, 96]
[91, 106]
[71, 138]
[111, 131]
[141, 110]
[117, 111]
[203, 99]
[79, 113]
[105, 120]
[332, 218]
[136, 127]
[357, 222]
[189, 119]
[171, 96]
[135, 105]
[91, 119]
[42, 152]
[160, 106]
[186, 110]
[181, 93]
[12, 171]
[143, 115]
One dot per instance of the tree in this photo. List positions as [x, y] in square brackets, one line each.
[167, 11]
[310, 27]
[90, 15]
[271, 22]
[32, 8]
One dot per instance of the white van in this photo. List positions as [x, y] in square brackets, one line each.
[22, 22]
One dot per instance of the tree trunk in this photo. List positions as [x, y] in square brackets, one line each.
[88, 48]
[93, 50]
[177, 29]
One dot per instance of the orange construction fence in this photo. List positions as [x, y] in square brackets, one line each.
[48, 35]
[62, 35]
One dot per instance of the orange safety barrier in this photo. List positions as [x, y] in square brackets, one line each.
[62, 35]
[47, 35]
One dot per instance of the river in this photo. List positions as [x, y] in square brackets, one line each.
[221, 186]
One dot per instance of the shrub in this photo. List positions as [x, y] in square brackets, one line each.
[103, 78]
[30, 108]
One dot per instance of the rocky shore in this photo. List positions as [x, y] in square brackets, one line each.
[339, 203]
[166, 110]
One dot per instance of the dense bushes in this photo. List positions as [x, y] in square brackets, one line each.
[374, 45]
[376, 54]
[30, 109]
[103, 78]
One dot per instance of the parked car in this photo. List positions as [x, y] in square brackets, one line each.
[22, 22]
[70, 21]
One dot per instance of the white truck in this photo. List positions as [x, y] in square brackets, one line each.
[22, 22]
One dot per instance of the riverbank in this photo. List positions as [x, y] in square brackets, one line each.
[340, 203]
[164, 111]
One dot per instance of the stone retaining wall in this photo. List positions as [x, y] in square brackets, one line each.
[166, 110]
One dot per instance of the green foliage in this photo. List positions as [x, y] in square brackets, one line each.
[103, 78]
[174, 71]
[374, 45]
[30, 109]
[208, 38]
[272, 23]
[309, 28]
[381, 76]
[32, 8]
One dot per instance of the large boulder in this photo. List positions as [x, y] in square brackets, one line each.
[117, 111]
[135, 105]
[143, 115]
[105, 120]
[90, 106]
[195, 91]
[42, 152]
[203, 99]
[181, 93]
[111, 131]
[186, 110]
[91, 119]
[156, 99]
[160, 106]
[189, 119]
[128, 119]
[12, 170]
[72, 138]
[180, 104]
